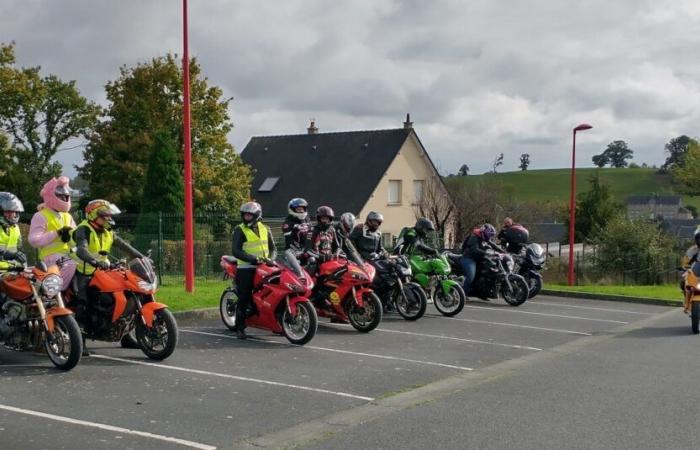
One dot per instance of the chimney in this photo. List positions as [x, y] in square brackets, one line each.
[407, 125]
[312, 128]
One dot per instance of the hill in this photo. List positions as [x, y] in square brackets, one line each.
[553, 184]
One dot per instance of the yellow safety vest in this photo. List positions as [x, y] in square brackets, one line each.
[98, 242]
[254, 245]
[9, 240]
[54, 223]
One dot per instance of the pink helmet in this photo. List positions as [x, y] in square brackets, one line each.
[56, 194]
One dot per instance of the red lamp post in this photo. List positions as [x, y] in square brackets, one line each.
[189, 238]
[572, 203]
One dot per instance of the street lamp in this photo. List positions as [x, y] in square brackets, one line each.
[572, 203]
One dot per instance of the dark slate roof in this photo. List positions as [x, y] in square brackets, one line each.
[659, 199]
[336, 169]
[682, 228]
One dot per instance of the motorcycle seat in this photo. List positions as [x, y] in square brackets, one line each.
[230, 259]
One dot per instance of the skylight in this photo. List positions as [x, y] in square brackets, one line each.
[268, 184]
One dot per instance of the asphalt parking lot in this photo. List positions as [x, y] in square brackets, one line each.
[221, 392]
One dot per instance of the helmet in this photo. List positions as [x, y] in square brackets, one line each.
[101, 208]
[488, 232]
[298, 203]
[696, 236]
[253, 208]
[324, 211]
[374, 216]
[423, 225]
[56, 194]
[10, 203]
[347, 221]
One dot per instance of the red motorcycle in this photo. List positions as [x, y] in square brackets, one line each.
[345, 288]
[280, 301]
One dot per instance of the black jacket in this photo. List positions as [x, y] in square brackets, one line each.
[239, 238]
[475, 247]
[365, 241]
[295, 232]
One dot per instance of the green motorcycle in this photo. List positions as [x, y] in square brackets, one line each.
[432, 275]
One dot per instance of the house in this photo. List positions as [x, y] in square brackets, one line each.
[666, 207]
[388, 171]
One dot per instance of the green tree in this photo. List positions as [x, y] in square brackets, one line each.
[594, 209]
[687, 171]
[145, 100]
[40, 114]
[463, 171]
[618, 153]
[676, 149]
[524, 161]
[601, 160]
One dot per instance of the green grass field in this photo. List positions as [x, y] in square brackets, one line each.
[554, 184]
[206, 294]
[665, 291]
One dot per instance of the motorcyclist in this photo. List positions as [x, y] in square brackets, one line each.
[367, 238]
[296, 228]
[693, 253]
[513, 236]
[253, 244]
[51, 227]
[10, 236]
[324, 240]
[343, 230]
[412, 240]
[474, 250]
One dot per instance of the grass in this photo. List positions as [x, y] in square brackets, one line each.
[206, 293]
[664, 291]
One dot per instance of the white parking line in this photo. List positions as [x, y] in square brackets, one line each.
[235, 377]
[438, 336]
[590, 307]
[543, 314]
[335, 350]
[102, 426]
[514, 325]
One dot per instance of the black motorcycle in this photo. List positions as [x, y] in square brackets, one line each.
[494, 275]
[393, 285]
[529, 263]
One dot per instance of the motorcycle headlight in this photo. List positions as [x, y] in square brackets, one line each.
[146, 286]
[51, 285]
[295, 287]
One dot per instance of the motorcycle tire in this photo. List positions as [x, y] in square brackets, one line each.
[449, 304]
[416, 309]
[64, 346]
[163, 324]
[535, 284]
[695, 317]
[519, 292]
[369, 317]
[227, 308]
[301, 328]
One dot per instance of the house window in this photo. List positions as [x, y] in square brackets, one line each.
[418, 191]
[394, 192]
[268, 184]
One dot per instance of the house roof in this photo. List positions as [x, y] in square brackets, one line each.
[658, 199]
[340, 170]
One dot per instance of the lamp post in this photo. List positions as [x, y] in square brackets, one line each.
[572, 203]
[189, 238]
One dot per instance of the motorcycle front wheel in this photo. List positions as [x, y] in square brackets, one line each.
[695, 317]
[451, 303]
[368, 317]
[412, 302]
[517, 294]
[301, 328]
[65, 345]
[159, 341]
[535, 284]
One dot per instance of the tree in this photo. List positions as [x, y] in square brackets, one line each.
[676, 149]
[436, 204]
[40, 114]
[616, 154]
[601, 160]
[686, 172]
[524, 161]
[594, 208]
[498, 161]
[463, 171]
[145, 100]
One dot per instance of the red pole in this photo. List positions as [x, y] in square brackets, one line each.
[189, 239]
[572, 212]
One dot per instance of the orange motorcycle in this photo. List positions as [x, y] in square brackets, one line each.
[32, 314]
[691, 295]
[121, 299]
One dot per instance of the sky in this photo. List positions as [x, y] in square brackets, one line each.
[479, 77]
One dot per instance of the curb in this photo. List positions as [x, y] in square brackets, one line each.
[611, 297]
[197, 314]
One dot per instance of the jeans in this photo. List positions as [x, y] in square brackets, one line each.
[469, 269]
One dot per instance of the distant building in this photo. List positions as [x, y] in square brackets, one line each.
[666, 207]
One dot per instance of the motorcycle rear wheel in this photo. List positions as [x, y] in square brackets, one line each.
[227, 308]
[695, 317]
[449, 304]
[65, 345]
[367, 318]
[412, 302]
[519, 292]
[301, 328]
[159, 341]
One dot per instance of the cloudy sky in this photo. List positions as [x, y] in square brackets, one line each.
[479, 77]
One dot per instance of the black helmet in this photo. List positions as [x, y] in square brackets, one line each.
[374, 216]
[347, 221]
[423, 225]
[324, 211]
[253, 208]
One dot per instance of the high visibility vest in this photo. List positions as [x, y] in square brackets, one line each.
[254, 245]
[98, 242]
[9, 240]
[55, 222]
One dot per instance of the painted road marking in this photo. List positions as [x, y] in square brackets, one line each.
[335, 350]
[515, 325]
[544, 314]
[236, 377]
[590, 307]
[102, 426]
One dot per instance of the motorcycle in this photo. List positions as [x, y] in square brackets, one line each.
[432, 274]
[122, 307]
[32, 314]
[280, 301]
[529, 263]
[344, 293]
[691, 297]
[393, 284]
[494, 275]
